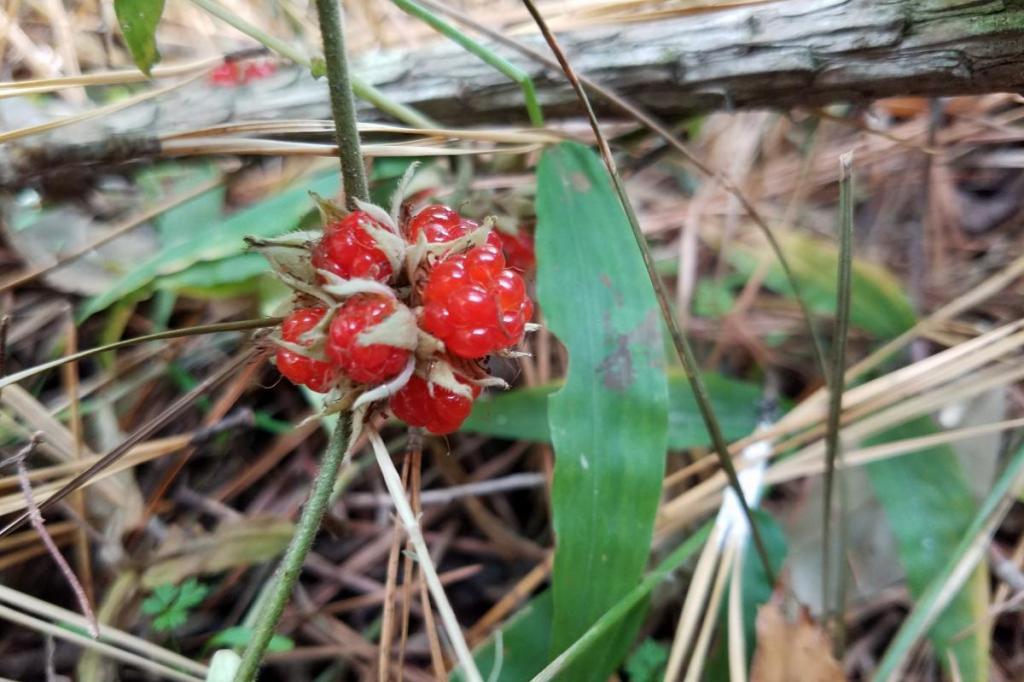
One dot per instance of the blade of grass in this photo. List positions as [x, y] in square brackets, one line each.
[412, 528]
[679, 340]
[836, 387]
[490, 57]
[611, 618]
[610, 464]
[165, 417]
[198, 330]
[955, 572]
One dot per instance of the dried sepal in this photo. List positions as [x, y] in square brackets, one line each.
[399, 330]
[402, 191]
[378, 214]
[330, 212]
[388, 388]
[345, 288]
[442, 374]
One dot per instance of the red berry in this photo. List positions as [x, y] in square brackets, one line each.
[440, 412]
[441, 224]
[299, 369]
[475, 305]
[348, 250]
[519, 251]
[259, 69]
[226, 75]
[369, 364]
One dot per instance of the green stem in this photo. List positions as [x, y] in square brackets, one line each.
[270, 42]
[836, 387]
[491, 58]
[343, 104]
[291, 565]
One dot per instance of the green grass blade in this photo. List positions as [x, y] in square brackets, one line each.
[609, 423]
[522, 414]
[490, 57]
[935, 600]
[929, 507]
[270, 217]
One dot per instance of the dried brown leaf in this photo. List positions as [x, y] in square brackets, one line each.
[792, 651]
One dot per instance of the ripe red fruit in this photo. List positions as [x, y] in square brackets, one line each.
[439, 412]
[441, 224]
[475, 305]
[259, 69]
[226, 75]
[366, 364]
[348, 250]
[317, 375]
[519, 251]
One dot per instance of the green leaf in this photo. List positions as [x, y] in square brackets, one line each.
[879, 305]
[191, 593]
[647, 662]
[138, 20]
[609, 422]
[226, 277]
[525, 641]
[192, 219]
[969, 551]
[522, 414]
[238, 636]
[170, 604]
[270, 217]
[929, 506]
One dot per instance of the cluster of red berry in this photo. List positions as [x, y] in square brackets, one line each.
[408, 306]
[232, 73]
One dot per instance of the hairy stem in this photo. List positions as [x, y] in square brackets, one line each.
[343, 104]
[287, 573]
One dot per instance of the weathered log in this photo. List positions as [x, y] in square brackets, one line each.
[781, 54]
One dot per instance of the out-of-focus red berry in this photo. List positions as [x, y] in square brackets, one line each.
[439, 223]
[226, 75]
[348, 250]
[365, 364]
[474, 304]
[439, 411]
[317, 375]
[258, 69]
[519, 251]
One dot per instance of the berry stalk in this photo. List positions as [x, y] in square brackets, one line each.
[287, 573]
[343, 105]
[356, 189]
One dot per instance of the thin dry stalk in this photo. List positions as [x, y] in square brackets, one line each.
[36, 519]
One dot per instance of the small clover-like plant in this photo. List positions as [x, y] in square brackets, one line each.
[169, 605]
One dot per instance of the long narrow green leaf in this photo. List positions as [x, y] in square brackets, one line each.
[523, 414]
[138, 20]
[270, 217]
[609, 423]
[930, 507]
[960, 566]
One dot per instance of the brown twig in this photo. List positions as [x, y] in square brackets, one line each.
[36, 519]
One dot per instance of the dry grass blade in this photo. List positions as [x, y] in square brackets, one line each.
[125, 643]
[115, 77]
[144, 432]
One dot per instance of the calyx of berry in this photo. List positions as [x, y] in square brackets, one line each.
[442, 374]
[421, 249]
[398, 330]
[288, 254]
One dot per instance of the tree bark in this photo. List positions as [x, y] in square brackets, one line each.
[778, 54]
